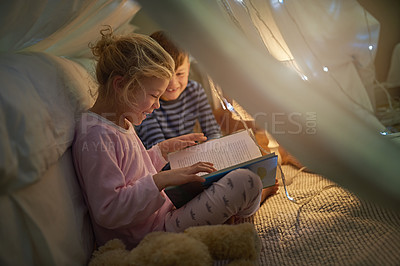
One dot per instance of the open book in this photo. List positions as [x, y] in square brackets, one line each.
[227, 154]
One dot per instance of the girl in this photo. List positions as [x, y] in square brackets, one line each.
[121, 180]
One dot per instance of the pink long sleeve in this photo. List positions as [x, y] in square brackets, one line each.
[156, 157]
[116, 174]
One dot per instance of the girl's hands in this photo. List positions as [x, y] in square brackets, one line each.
[178, 143]
[183, 175]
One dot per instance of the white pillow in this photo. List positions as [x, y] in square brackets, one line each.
[40, 97]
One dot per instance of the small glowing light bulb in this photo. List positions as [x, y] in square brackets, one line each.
[280, 1]
[370, 47]
[229, 106]
[325, 68]
[304, 77]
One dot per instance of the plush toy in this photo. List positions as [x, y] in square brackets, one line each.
[202, 245]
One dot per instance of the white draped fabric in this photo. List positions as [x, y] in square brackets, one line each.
[332, 41]
[325, 121]
[62, 27]
[393, 78]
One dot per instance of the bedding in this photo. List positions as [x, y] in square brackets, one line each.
[328, 226]
[44, 218]
[47, 222]
[40, 97]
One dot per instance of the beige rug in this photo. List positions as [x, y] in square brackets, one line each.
[330, 227]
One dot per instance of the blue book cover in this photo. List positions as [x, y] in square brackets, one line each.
[264, 166]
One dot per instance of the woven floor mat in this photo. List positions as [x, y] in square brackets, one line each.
[329, 226]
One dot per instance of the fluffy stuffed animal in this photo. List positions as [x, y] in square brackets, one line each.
[202, 245]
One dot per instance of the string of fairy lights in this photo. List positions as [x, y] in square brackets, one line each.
[250, 8]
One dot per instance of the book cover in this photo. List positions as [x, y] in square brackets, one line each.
[227, 153]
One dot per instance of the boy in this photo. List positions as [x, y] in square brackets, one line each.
[183, 103]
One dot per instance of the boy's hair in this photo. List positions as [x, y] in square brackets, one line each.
[178, 54]
[133, 57]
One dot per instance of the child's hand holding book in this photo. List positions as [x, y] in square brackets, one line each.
[176, 177]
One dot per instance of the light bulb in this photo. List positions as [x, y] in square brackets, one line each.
[325, 69]
[304, 77]
[370, 47]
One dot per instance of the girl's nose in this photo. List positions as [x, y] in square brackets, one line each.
[157, 103]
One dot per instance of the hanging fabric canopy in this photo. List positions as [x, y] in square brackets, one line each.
[316, 120]
[315, 39]
[62, 27]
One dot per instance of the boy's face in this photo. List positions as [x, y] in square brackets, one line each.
[178, 82]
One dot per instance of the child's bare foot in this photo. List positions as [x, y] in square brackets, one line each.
[269, 191]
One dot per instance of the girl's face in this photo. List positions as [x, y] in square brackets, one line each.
[146, 99]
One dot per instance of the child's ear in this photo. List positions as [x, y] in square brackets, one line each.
[117, 83]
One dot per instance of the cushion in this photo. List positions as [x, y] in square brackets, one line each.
[40, 97]
[44, 217]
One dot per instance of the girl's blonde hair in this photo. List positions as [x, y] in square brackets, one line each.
[132, 57]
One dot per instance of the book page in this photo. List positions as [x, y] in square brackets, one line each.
[224, 152]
